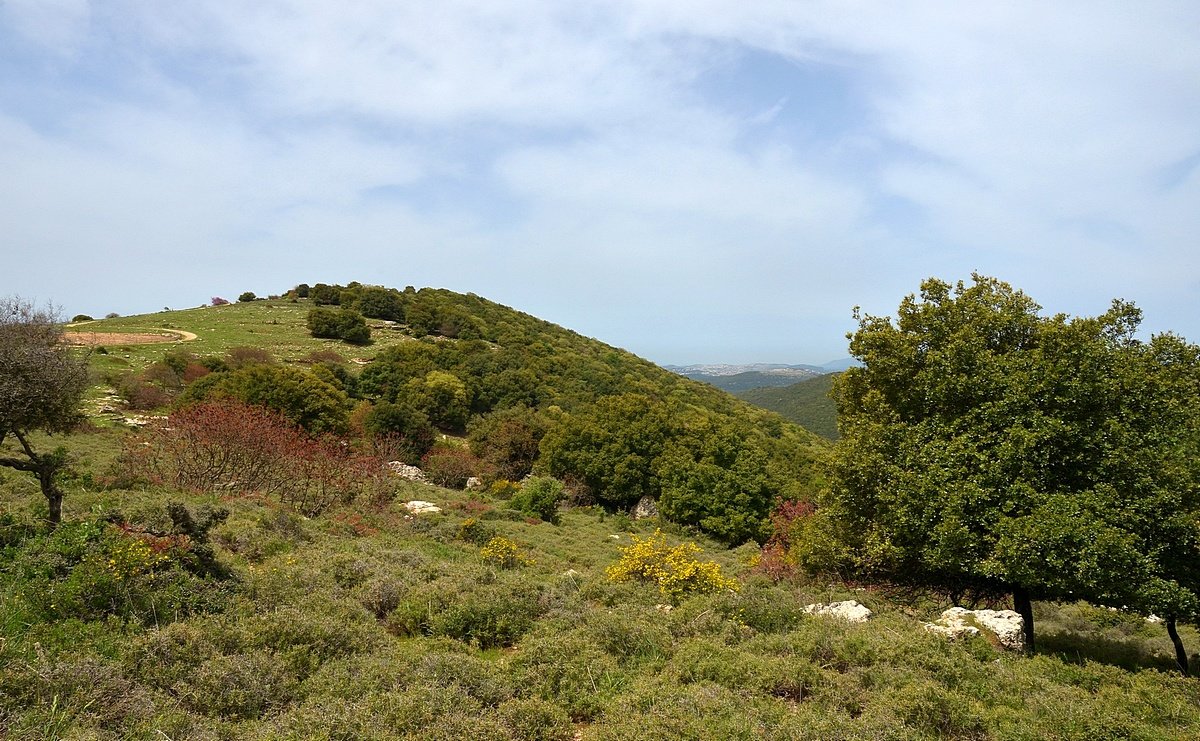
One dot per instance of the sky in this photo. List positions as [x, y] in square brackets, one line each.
[697, 181]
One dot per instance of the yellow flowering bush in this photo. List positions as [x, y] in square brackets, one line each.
[675, 570]
[504, 554]
[132, 557]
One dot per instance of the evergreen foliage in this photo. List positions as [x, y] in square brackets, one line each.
[987, 449]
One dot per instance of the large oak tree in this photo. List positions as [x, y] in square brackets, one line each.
[987, 450]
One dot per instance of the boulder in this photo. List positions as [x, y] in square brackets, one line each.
[645, 508]
[405, 471]
[1006, 626]
[474, 483]
[849, 610]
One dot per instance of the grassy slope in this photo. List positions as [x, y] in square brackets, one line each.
[806, 403]
[297, 652]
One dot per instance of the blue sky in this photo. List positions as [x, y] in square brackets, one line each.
[696, 181]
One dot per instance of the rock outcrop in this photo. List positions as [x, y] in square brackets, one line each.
[405, 471]
[1005, 626]
[418, 507]
[849, 610]
[645, 508]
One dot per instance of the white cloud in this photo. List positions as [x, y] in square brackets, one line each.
[1024, 139]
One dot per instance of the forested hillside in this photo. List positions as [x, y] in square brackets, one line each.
[807, 403]
[526, 393]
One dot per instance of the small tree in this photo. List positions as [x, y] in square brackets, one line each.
[41, 385]
[247, 297]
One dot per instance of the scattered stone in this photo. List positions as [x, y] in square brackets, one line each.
[849, 610]
[645, 508]
[418, 507]
[474, 483]
[1154, 619]
[615, 536]
[664, 608]
[405, 471]
[1006, 625]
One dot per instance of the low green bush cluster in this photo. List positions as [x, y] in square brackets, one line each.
[339, 324]
[89, 570]
[485, 613]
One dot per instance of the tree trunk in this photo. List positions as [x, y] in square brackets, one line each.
[54, 495]
[1181, 659]
[45, 466]
[1024, 607]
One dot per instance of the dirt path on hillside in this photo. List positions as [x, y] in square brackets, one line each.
[94, 339]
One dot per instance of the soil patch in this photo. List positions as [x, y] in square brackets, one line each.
[93, 339]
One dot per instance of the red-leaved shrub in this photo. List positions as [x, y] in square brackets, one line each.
[773, 560]
[235, 448]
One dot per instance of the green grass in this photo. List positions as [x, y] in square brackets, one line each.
[277, 326]
[365, 623]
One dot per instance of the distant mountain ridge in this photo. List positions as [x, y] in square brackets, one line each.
[733, 369]
[737, 378]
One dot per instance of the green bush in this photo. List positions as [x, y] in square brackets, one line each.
[247, 297]
[540, 496]
[339, 324]
[569, 670]
[484, 615]
[483, 680]
[532, 719]
[245, 685]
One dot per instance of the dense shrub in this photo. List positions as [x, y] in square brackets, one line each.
[400, 431]
[450, 467]
[82, 318]
[243, 356]
[139, 393]
[568, 669]
[88, 570]
[540, 496]
[231, 447]
[239, 686]
[247, 297]
[218, 301]
[339, 324]
[301, 397]
[508, 439]
[487, 615]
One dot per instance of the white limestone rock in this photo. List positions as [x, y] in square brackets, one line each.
[1007, 626]
[405, 471]
[418, 507]
[849, 610]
